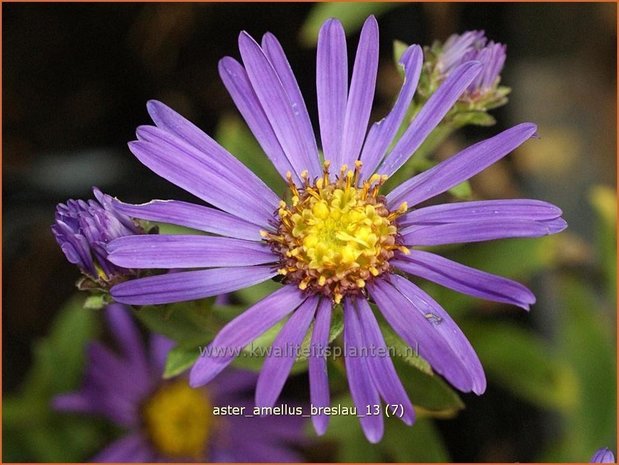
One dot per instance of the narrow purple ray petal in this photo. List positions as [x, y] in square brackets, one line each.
[193, 216]
[362, 389]
[189, 285]
[187, 251]
[237, 83]
[464, 279]
[318, 377]
[284, 117]
[460, 167]
[278, 364]
[275, 53]
[242, 330]
[381, 133]
[234, 175]
[484, 210]
[331, 87]
[127, 335]
[446, 328]
[361, 95]
[218, 157]
[430, 116]
[420, 330]
[133, 448]
[381, 367]
[456, 233]
[194, 177]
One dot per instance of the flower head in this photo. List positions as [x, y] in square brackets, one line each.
[336, 241]
[84, 228]
[484, 91]
[603, 455]
[167, 420]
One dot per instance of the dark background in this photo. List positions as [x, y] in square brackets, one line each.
[77, 77]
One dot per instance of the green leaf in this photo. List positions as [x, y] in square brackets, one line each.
[189, 323]
[420, 443]
[352, 16]
[96, 302]
[180, 359]
[429, 393]
[400, 443]
[523, 363]
[586, 341]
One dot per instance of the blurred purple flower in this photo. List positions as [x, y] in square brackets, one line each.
[603, 455]
[473, 45]
[167, 420]
[338, 239]
[84, 228]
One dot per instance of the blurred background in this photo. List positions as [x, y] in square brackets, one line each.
[77, 77]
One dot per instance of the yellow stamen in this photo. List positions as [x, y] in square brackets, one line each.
[334, 236]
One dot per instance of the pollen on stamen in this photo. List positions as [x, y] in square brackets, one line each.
[334, 236]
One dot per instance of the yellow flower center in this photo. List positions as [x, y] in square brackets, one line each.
[334, 236]
[178, 420]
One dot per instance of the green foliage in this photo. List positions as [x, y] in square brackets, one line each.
[189, 323]
[352, 16]
[524, 364]
[401, 443]
[31, 430]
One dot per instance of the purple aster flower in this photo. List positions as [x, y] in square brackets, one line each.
[335, 239]
[603, 455]
[84, 228]
[167, 420]
[473, 45]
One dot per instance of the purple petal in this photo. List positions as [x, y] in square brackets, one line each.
[318, 376]
[209, 150]
[284, 116]
[331, 86]
[159, 346]
[242, 330]
[236, 81]
[278, 363]
[189, 285]
[198, 179]
[437, 106]
[427, 327]
[192, 216]
[133, 448]
[73, 402]
[381, 133]
[127, 335]
[456, 233]
[275, 53]
[186, 251]
[361, 94]
[460, 167]
[381, 367]
[603, 455]
[464, 279]
[445, 327]
[484, 210]
[362, 389]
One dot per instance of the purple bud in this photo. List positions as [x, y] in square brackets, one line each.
[473, 46]
[83, 229]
